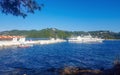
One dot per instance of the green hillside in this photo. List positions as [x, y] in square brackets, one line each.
[53, 32]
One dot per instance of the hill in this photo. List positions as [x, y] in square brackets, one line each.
[53, 32]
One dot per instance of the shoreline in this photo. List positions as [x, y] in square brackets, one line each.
[41, 42]
[69, 70]
[113, 39]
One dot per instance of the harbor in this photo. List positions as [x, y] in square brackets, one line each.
[20, 41]
[56, 58]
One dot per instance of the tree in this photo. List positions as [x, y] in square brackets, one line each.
[19, 7]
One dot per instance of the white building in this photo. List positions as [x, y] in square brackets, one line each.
[12, 38]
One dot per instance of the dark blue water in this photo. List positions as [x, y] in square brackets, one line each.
[42, 57]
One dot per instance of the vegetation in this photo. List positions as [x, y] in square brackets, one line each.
[19, 7]
[56, 33]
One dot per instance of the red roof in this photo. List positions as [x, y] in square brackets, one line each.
[9, 37]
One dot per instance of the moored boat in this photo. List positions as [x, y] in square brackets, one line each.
[24, 46]
[85, 39]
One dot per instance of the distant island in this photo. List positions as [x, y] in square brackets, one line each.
[56, 33]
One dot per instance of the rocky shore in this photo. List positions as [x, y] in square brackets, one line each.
[115, 70]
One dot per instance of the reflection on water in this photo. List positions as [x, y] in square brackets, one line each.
[39, 58]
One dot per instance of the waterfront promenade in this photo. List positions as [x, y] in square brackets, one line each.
[17, 43]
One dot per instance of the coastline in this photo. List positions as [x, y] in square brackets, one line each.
[112, 39]
[41, 42]
[12, 43]
[70, 70]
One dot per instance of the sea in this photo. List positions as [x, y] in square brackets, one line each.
[48, 59]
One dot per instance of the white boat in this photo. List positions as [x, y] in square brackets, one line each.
[25, 45]
[85, 39]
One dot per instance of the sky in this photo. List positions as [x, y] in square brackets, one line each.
[71, 15]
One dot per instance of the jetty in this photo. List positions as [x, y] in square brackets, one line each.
[50, 41]
[6, 41]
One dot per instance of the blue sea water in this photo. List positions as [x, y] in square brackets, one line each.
[39, 58]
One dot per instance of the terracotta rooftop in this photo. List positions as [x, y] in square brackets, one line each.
[9, 37]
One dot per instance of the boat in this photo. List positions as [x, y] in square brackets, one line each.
[85, 39]
[24, 46]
